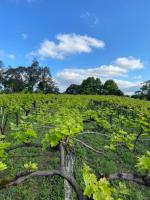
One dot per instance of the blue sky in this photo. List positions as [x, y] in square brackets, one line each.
[109, 39]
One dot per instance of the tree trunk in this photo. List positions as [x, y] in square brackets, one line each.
[69, 162]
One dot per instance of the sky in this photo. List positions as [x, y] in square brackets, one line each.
[108, 39]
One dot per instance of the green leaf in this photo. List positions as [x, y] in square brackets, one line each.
[2, 166]
[31, 166]
[143, 164]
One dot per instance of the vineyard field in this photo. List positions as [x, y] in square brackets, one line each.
[69, 147]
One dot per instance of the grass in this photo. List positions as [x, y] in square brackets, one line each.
[51, 188]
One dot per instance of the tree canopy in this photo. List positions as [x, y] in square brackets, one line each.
[94, 86]
[73, 89]
[34, 78]
[111, 88]
[91, 86]
[144, 92]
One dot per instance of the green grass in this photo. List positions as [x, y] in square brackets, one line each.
[51, 188]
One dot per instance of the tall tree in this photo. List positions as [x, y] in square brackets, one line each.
[1, 73]
[111, 88]
[13, 79]
[33, 74]
[144, 92]
[32, 79]
[91, 86]
[46, 84]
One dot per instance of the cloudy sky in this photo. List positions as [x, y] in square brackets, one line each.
[109, 39]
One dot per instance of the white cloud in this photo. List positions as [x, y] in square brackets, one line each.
[90, 18]
[128, 87]
[67, 44]
[5, 55]
[119, 68]
[127, 84]
[11, 56]
[137, 77]
[24, 36]
[128, 63]
[102, 71]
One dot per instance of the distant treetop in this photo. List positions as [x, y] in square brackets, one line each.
[34, 78]
[94, 86]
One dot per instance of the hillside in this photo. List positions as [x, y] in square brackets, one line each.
[42, 133]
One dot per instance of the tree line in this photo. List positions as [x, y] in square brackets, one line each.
[94, 86]
[33, 78]
[36, 78]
